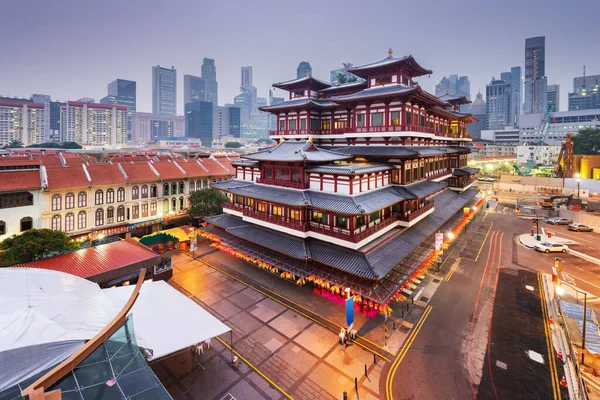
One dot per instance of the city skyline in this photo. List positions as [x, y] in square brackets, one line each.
[68, 75]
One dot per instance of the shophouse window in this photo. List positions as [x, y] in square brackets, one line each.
[99, 217]
[144, 210]
[56, 223]
[319, 217]
[99, 196]
[205, 184]
[120, 213]
[26, 224]
[153, 191]
[69, 222]
[144, 191]
[276, 210]
[174, 188]
[395, 118]
[135, 192]
[56, 202]
[110, 215]
[81, 220]
[69, 201]
[360, 120]
[181, 187]
[181, 205]
[377, 119]
[192, 186]
[174, 204]
[110, 196]
[120, 195]
[82, 199]
[341, 222]
[165, 189]
[135, 211]
[2, 228]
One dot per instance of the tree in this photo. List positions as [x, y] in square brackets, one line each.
[233, 145]
[35, 244]
[352, 79]
[46, 145]
[341, 78]
[265, 140]
[71, 145]
[587, 141]
[206, 202]
[14, 144]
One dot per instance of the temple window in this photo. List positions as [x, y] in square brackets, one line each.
[261, 207]
[360, 120]
[249, 202]
[314, 124]
[374, 216]
[292, 124]
[360, 221]
[303, 123]
[395, 118]
[319, 217]
[339, 123]
[377, 119]
[298, 94]
[383, 80]
[295, 215]
[408, 118]
[405, 80]
[281, 124]
[326, 124]
[277, 210]
[341, 222]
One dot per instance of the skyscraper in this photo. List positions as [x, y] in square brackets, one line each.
[226, 122]
[199, 121]
[93, 123]
[45, 100]
[164, 90]
[553, 96]
[246, 77]
[586, 93]
[303, 69]
[497, 99]
[22, 121]
[513, 80]
[454, 86]
[123, 93]
[535, 76]
[194, 89]
[209, 74]
[478, 110]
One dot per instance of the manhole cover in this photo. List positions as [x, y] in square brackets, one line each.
[436, 281]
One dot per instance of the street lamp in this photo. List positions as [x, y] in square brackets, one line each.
[578, 177]
[450, 235]
[560, 291]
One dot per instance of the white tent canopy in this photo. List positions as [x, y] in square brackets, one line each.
[47, 315]
[167, 320]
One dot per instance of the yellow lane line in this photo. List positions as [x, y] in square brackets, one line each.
[291, 308]
[548, 334]
[283, 392]
[451, 272]
[402, 353]
[484, 240]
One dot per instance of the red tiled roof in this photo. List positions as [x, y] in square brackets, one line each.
[105, 174]
[17, 161]
[50, 161]
[193, 169]
[214, 168]
[20, 180]
[168, 170]
[139, 172]
[66, 177]
[93, 261]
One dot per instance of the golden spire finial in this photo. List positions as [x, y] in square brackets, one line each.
[446, 91]
[310, 139]
[281, 139]
[390, 52]
[307, 72]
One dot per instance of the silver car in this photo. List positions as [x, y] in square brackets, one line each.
[580, 227]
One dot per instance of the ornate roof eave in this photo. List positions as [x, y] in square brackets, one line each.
[407, 62]
[357, 101]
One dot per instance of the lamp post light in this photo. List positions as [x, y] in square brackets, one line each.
[578, 177]
[560, 291]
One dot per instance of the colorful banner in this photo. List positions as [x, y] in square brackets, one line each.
[350, 311]
[439, 241]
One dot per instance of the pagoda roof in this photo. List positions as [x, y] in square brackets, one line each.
[245, 163]
[344, 204]
[390, 91]
[406, 62]
[454, 100]
[305, 101]
[348, 169]
[305, 81]
[374, 263]
[297, 151]
[351, 85]
[464, 171]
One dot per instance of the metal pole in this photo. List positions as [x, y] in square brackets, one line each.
[584, 321]
[578, 188]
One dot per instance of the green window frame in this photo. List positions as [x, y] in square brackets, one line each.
[341, 222]
[408, 118]
[374, 216]
[415, 174]
[407, 175]
[360, 221]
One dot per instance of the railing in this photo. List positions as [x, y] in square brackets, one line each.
[415, 214]
[346, 235]
[368, 129]
[376, 228]
[462, 182]
[288, 223]
[440, 174]
[279, 182]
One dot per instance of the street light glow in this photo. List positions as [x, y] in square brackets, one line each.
[560, 291]
[450, 235]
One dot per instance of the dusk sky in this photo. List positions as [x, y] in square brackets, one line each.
[72, 49]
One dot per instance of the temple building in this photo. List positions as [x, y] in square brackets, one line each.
[363, 177]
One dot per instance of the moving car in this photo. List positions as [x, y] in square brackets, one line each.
[580, 228]
[558, 221]
[550, 247]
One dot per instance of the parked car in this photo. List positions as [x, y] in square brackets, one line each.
[580, 228]
[558, 221]
[550, 247]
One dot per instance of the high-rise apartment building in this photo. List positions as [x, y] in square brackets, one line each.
[164, 90]
[586, 93]
[497, 101]
[199, 121]
[148, 127]
[209, 74]
[122, 92]
[55, 135]
[303, 69]
[94, 124]
[22, 121]
[536, 82]
[46, 101]
[194, 89]
[553, 97]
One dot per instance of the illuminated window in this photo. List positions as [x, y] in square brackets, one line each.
[326, 124]
[276, 210]
[261, 207]
[295, 215]
[319, 217]
[395, 118]
[249, 202]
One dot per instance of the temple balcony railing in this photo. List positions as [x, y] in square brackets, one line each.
[278, 220]
[368, 129]
[461, 182]
[409, 216]
[347, 235]
[279, 182]
[439, 174]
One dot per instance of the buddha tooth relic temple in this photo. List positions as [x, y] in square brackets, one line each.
[362, 178]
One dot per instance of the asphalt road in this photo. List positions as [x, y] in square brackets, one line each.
[448, 353]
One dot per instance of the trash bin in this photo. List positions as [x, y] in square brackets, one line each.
[538, 238]
[549, 234]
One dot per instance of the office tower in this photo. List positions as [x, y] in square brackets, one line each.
[123, 93]
[303, 69]
[478, 110]
[194, 89]
[54, 135]
[246, 77]
[164, 90]
[22, 121]
[226, 122]
[497, 99]
[513, 81]
[148, 127]
[454, 86]
[553, 97]
[209, 74]
[535, 76]
[87, 100]
[242, 101]
[46, 101]
[93, 124]
[199, 121]
[586, 93]
[273, 101]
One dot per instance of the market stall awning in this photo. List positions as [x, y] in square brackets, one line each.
[166, 319]
[179, 233]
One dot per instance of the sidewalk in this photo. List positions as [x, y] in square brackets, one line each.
[531, 241]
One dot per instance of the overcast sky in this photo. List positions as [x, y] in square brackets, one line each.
[73, 48]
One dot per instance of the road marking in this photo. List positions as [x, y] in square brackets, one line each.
[451, 272]
[256, 369]
[549, 345]
[573, 236]
[297, 311]
[405, 347]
